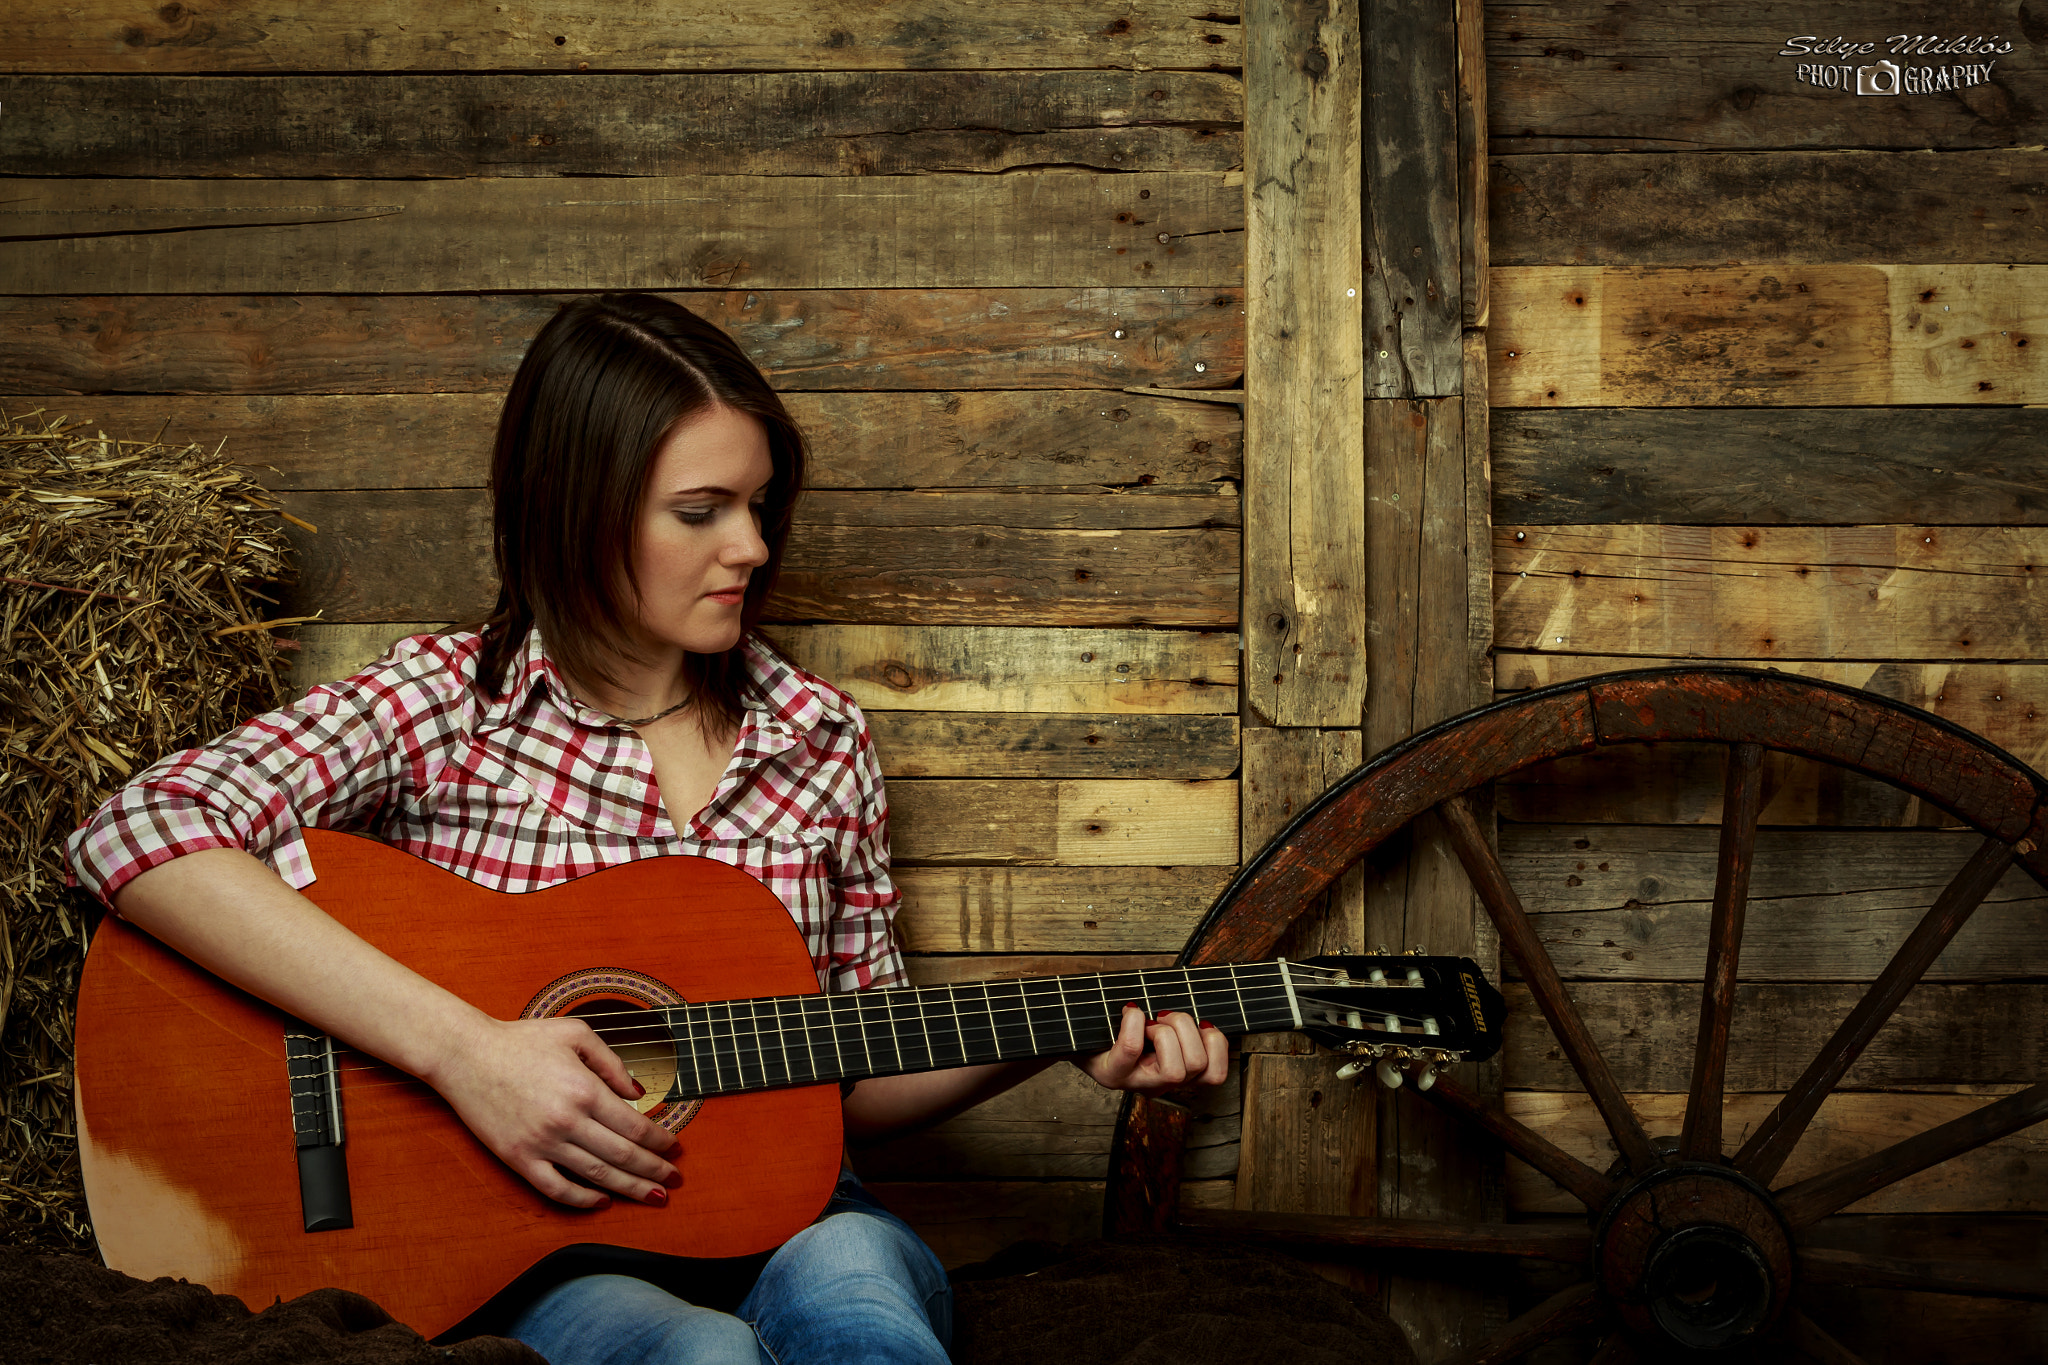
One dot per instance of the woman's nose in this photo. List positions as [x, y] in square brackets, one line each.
[746, 546]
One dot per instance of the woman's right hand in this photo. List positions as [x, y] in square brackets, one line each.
[540, 1093]
[545, 1094]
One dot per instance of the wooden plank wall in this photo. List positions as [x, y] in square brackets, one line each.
[1765, 368]
[965, 239]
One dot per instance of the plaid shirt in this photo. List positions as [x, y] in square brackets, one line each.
[530, 790]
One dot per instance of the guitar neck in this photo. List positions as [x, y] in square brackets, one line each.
[731, 1046]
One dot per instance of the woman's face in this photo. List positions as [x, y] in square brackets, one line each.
[699, 532]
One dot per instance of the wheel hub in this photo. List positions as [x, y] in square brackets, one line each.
[1696, 1255]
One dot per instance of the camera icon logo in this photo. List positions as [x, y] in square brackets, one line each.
[1879, 78]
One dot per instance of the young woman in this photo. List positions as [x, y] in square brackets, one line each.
[616, 705]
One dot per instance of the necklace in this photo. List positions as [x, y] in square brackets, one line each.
[649, 720]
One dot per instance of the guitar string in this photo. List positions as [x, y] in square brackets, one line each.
[863, 1019]
[748, 1056]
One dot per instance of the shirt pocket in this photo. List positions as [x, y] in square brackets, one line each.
[482, 822]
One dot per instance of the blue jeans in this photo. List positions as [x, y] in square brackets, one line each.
[857, 1287]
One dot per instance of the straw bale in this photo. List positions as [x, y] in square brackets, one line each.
[131, 578]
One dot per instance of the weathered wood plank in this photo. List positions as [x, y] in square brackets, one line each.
[1055, 1126]
[1285, 770]
[1070, 823]
[940, 668]
[971, 1220]
[1414, 309]
[805, 340]
[992, 575]
[1585, 76]
[1942, 1036]
[1475, 250]
[1849, 1126]
[1886, 1323]
[1082, 509]
[1053, 909]
[562, 35]
[857, 440]
[790, 123]
[1722, 208]
[955, 668]
[2006, 703]
[1838, 466]
[1630, 902]
[1305, 388]
[1874, 592]
[971, 743]
[671, 232]
[1792, 335]
[411, 555]
[949, 970]
[1678, 784]
[1309, 1140]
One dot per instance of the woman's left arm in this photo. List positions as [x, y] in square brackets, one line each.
[1150, 1056]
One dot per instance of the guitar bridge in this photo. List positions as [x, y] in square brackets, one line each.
[315, 1088]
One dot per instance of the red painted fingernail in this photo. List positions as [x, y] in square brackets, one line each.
[1206, 1024]
[656, 1196]
[639, 1091]
[674, 1180]
[600, 1206]
[1132, 1005]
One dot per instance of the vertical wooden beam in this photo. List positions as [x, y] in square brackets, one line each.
[1304, 551]
[1474, 253]
[1429, 569]
[1285, 770]
[1413, 262]
[1308, 1138]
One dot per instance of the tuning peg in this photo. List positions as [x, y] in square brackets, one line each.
[1389, 1073]
[1350, 1069]
[1426, 1078]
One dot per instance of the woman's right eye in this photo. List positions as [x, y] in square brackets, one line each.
[694, 516]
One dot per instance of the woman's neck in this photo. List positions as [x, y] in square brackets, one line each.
[641, 689]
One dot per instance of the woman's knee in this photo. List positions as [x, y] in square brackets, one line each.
[617, 1320]
[858, 1245]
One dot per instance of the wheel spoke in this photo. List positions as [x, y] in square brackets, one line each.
[1490, 880]
[1764, 1154]
[1585, 1184]
[1822, 1195]
[1813, 1342]
[1982, 1279]
[1560, 1313]
[1543, 1241]
[1741, 801]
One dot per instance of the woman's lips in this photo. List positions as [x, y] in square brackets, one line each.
[729, 596]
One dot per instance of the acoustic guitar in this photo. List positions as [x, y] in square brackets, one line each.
[228, 1144]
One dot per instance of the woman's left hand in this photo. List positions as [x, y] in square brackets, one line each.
[1152, 1056]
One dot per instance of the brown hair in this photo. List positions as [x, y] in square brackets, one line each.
[604, 383]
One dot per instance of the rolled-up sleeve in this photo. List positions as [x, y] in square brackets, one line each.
[332, 760]
[864, 951]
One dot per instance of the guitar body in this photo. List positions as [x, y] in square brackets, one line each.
[185, 1122]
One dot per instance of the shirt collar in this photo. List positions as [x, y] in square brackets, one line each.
[781, 702]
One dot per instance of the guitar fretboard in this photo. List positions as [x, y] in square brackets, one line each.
[736, 1045]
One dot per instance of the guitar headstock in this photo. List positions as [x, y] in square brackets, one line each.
[1399, 1011]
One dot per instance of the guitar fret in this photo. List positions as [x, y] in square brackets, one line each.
[1073, 1044]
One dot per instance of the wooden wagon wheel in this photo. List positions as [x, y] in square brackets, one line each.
[1684, 1246]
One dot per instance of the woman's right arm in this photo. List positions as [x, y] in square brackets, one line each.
[539, 1093]
[180, 852]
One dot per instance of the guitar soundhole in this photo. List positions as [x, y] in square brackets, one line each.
[622, 1007]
